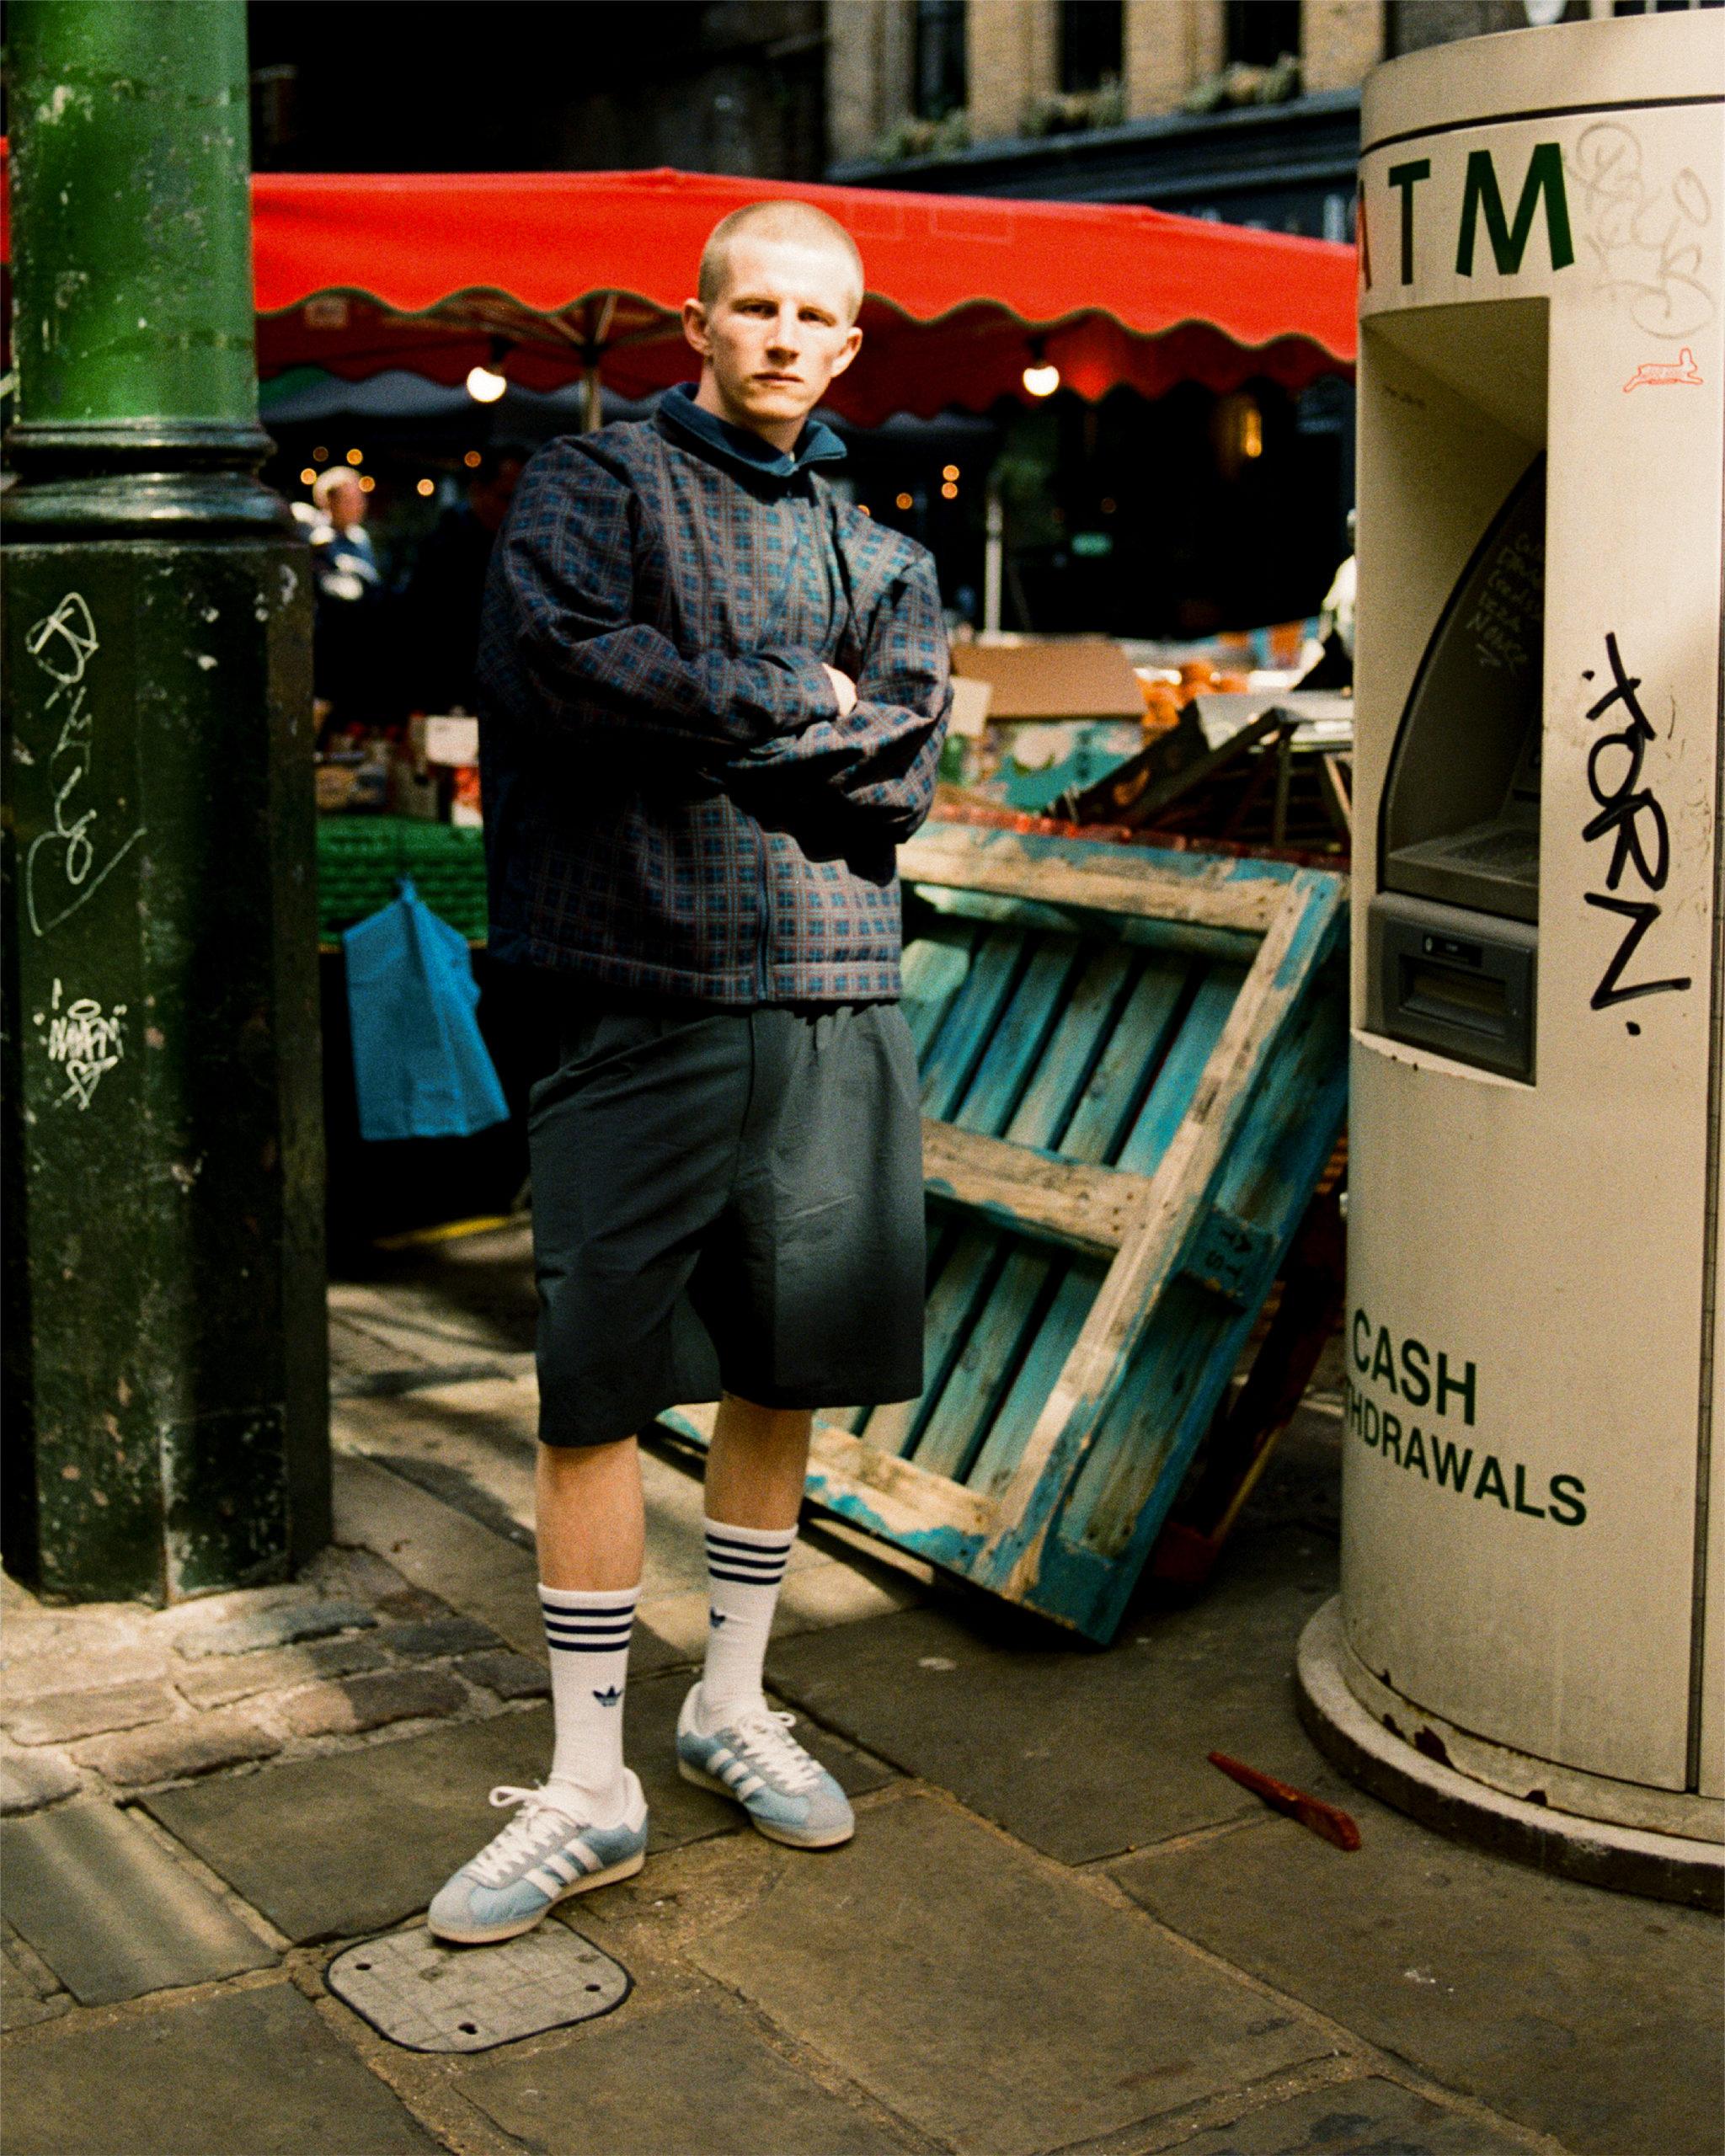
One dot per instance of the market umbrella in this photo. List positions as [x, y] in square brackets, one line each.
[551, 277]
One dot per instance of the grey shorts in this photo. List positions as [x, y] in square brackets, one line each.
[725, 1199]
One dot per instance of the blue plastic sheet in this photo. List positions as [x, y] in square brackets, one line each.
[421, 1069]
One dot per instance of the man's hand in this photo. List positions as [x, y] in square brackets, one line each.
[844, 688]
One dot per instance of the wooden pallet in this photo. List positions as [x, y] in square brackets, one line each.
[1133, 1068]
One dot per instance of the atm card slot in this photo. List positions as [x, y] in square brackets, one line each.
[1453, 980]
[1476, 1001]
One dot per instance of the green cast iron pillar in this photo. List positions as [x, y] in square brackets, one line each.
[166, 1392]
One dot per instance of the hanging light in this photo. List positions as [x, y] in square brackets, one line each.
[486, 384]
[1042, 377]
[356, 456]
[426, 486]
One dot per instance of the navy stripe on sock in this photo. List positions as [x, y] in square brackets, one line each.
[745, 1579]
[590, 1630]
[582, 1647]
[734, 1555]
[717, 1541]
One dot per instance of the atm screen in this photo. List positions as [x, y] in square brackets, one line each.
[1460, 808]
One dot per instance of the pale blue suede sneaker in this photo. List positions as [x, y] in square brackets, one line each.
[754, 1759]
[541, 1858]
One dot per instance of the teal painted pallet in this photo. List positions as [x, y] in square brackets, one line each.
[1134, 1069]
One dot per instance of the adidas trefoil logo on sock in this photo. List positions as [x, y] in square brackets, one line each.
[715, 1617]
[610, 1697]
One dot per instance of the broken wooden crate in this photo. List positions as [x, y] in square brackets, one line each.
[1134, 1069]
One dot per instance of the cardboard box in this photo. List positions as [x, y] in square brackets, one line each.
[1065, 677]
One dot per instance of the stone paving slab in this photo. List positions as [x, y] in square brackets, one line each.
[354, 1705]
[1085, 1754]
[57, 1717]
[1002, 2007]
[354, 1842]
[251, 2073]
[281, 1627]
[1362, 2118]
[111, 1912]
[695, 2079]
[23, 2003]
[444, 1551]
[1590, 2016]
[225, 1680]
[31, 1779]
[169, 1751]
[509, 1675]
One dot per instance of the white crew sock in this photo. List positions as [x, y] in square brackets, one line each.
[744, 1566]
[587, 1629]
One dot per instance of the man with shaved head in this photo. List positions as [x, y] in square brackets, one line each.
[713, 696]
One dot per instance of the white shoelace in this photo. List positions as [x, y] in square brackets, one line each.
[539, 1827]
[763, 1736]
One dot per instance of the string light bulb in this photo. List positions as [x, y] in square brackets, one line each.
[426, 486]
[1042, 378]
[356, 456]
[484, 386]
[307, 476]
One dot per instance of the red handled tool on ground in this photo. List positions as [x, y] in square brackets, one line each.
[1324, 1819]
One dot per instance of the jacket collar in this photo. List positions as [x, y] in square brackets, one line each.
[735, 449]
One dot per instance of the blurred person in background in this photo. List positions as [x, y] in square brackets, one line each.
[347, 660]
[440, 604]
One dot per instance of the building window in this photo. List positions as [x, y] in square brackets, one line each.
[1091, 44]
[1260, 31]
[940, 81]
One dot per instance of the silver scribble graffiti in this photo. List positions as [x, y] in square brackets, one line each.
[1645, 236]
[61, 872]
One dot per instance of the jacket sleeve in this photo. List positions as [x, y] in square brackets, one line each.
[561, 592]
[880, 758]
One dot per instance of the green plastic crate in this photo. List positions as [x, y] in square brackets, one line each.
[361, 860]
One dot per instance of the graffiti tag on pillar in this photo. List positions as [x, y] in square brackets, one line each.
[86, 1040]
[61, 870]
[1632, 818]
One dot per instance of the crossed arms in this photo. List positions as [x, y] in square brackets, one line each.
[769, 720]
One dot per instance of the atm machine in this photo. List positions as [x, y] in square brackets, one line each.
[1529, 1645]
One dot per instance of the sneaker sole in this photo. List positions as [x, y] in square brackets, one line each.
[493, 1935]
[788, 1835]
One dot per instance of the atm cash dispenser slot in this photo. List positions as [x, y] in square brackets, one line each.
[1452, 932]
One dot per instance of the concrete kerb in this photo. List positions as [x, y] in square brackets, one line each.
[1660, 1867]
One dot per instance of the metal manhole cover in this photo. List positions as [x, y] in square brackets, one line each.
[430, 1997]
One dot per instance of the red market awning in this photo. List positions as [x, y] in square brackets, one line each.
[540, 273]
[357, 273]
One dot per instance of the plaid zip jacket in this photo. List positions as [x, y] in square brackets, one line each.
[672, 801]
